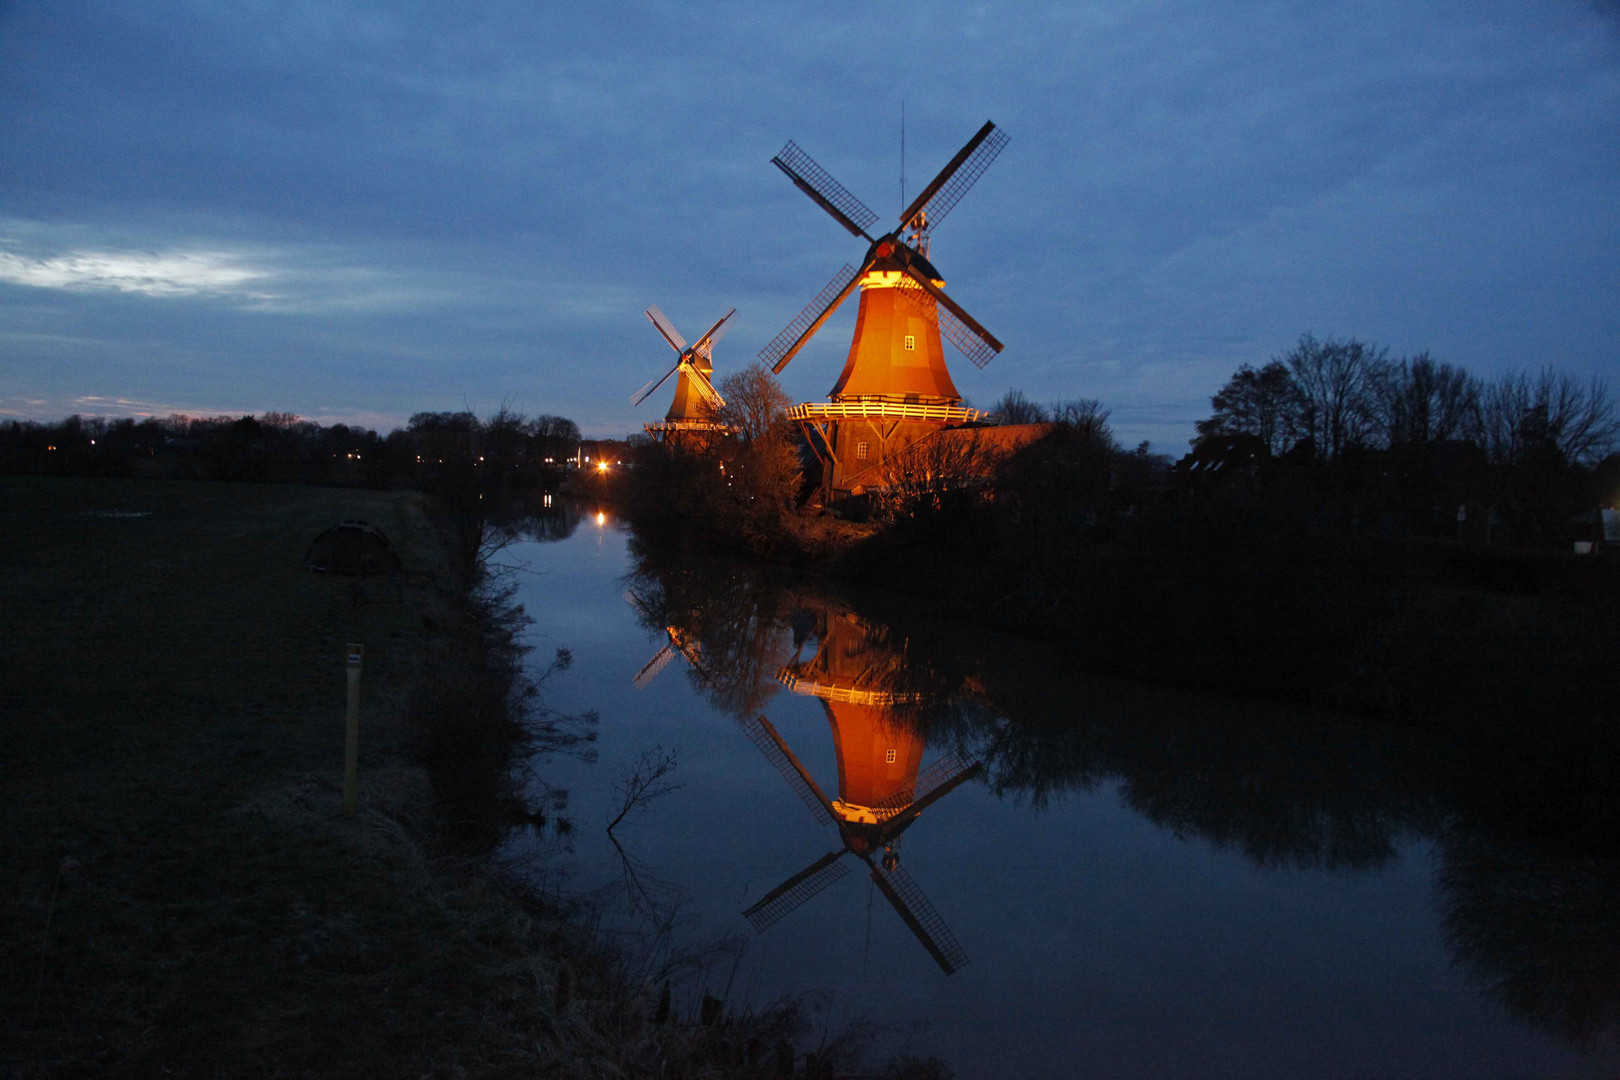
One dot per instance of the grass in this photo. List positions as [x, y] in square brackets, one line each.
[179, 892]
[174, 707]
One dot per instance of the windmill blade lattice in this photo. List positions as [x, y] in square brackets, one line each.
[977, 349]
[646, 391]
[955, 183]
[666, 328]
[720, 329]
[940, 772]
[651, 668]
[761, 736]
[909, 902]
[779, 351]
[818, 183]
[792, 893]
[955, 324]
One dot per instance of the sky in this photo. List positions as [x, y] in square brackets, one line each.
[359, 211]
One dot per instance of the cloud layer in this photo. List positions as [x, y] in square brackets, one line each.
[366, 208]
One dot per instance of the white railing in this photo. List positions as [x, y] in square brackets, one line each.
[893, 410]
[853, 695]
[686, 425]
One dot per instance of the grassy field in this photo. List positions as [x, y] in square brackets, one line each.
[181, 895]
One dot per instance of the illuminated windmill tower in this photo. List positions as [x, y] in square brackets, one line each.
[894, 388]
[880, 790]
[696, 400]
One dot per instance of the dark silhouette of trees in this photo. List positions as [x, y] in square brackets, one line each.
[1015, 408]
[1521, 419]
[1420, 401]
[1265, 403]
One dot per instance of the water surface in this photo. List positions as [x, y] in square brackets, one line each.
[1148, 883]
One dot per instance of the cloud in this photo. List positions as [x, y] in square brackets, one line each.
[161, 274]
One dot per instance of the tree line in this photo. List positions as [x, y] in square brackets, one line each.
[282, 447]
[1329, 398]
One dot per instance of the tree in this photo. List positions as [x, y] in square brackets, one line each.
[1338, 381]
[1015, 408]
[1520, 420]
[756, 404]
[1421, 401]
[1264, 403]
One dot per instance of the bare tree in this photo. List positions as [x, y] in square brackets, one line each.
[756, 404]
[1015, 408]
[1421, 401]
[916, 478]
[1518, 417]
[1338, 381]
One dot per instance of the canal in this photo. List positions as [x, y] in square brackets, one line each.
[1135, 882]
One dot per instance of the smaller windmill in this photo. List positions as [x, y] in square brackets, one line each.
[680, 643]
[696, 400]
[870, 833]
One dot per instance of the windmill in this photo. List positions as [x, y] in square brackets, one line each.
[871, 834]
[894, 388]
[680, 643]
[696, 400]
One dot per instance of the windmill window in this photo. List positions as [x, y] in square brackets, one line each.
[911, 342]
[888, 756]
[861, 449]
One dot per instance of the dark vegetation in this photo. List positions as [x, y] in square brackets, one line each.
[1393, 537]
[182, 893]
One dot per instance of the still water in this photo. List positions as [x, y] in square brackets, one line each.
[1134, 882]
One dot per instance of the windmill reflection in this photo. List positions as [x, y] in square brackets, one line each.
[881, 791]
[1532, 919]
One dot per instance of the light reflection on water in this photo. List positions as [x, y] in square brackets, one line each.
[1148, 883]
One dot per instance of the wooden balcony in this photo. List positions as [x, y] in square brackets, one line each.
[815, 411]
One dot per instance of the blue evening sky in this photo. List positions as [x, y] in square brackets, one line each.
[358, 211]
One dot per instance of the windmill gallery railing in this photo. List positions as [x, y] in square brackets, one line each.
[884, 410]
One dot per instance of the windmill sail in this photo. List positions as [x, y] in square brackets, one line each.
[792, 893]
[816, 312]
[641, 395]
[936, 775]
[962, 329]
[661, 322]
[764, 736]
[651, 668]
[828, 193]
[957, 177]
[908, 901]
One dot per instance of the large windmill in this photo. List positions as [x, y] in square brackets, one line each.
[696, 400]
[894, 388]
[870, 833]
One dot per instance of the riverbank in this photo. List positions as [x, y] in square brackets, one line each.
[1499, 649]
[183, 894]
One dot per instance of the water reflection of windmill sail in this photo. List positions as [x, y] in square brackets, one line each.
[680, 643]
[695, 395]
[881, 791]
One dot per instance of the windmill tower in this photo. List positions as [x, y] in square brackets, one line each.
[696, 400]
[894, 388]
[881, 788]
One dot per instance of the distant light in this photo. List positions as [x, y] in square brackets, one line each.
[601, 518]
[601, 466]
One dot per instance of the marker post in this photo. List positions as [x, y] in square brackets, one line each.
[351, 741]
